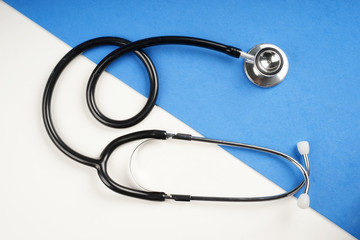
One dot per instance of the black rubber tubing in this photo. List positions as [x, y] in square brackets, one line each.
[54, 76]
[125, 47]
[137, 45]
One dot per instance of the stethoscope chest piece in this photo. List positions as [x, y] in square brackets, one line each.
[268, 67]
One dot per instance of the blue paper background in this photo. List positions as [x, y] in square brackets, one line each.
[319, 100]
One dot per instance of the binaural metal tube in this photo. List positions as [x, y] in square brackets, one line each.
[267, 150]
[307, 163]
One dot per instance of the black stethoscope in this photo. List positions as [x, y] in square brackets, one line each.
[266, 65]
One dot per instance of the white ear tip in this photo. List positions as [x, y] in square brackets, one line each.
[303, 201]
[303, 147]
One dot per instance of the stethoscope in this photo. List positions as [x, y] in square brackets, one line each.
[265, 65]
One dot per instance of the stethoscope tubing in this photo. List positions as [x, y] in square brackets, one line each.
[134, 46]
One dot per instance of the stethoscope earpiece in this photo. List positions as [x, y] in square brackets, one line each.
[266, 65]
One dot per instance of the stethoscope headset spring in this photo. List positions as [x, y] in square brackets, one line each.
[265, 65]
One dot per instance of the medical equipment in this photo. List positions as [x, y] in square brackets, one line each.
[266, 65]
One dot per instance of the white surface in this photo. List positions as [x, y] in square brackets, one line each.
[45, 195]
